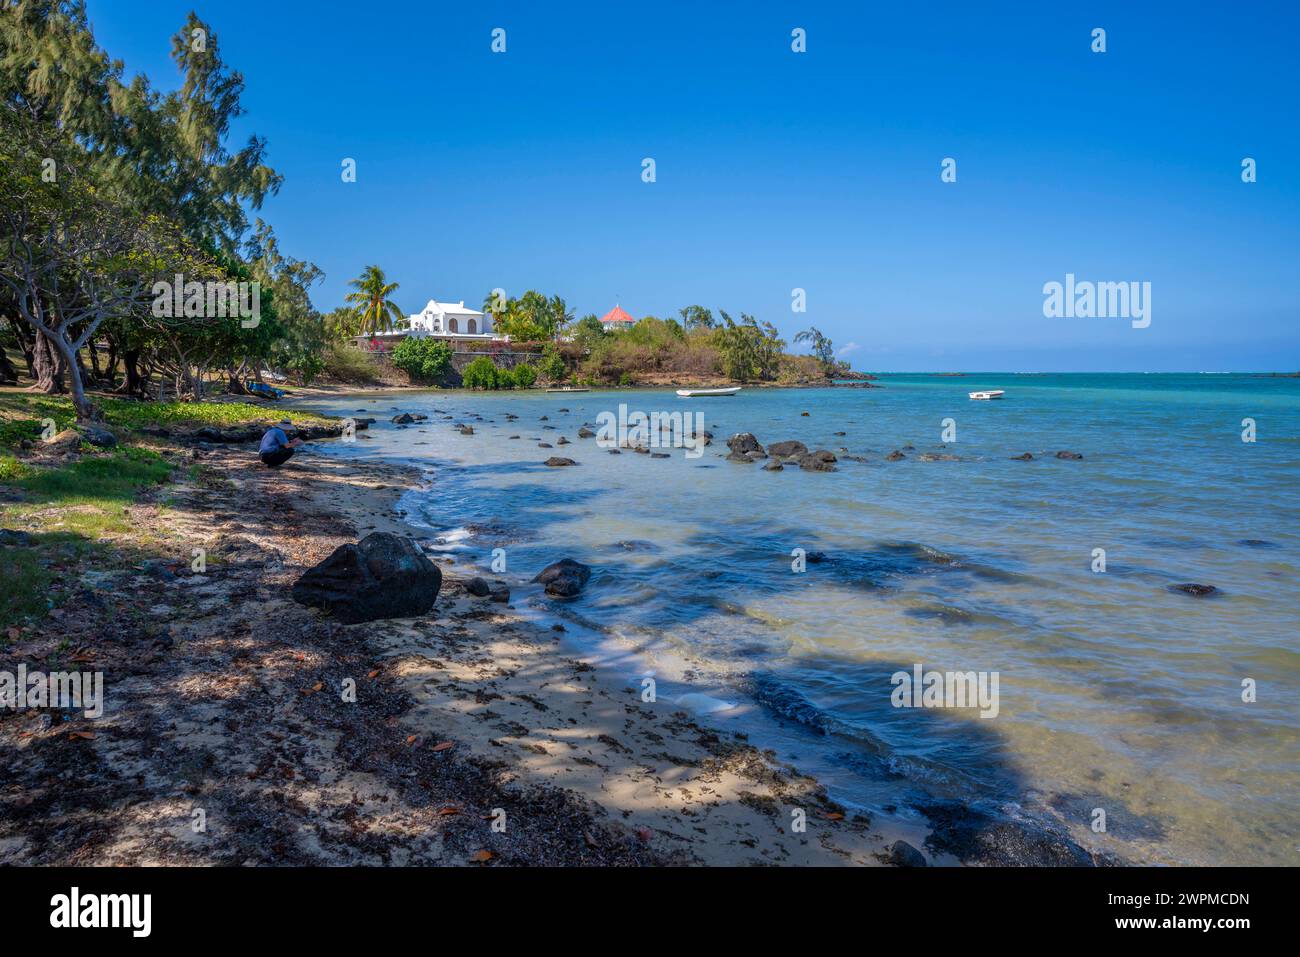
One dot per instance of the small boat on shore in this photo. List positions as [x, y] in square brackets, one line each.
[570, 388]
[700, 393]
[988, 394]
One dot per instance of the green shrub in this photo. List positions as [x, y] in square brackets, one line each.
[482, 373]
[525, 376]
[346, 364]
[423, 358]
[552, 365]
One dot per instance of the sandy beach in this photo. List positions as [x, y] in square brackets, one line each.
[474, 738]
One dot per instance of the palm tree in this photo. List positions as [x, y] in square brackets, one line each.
[821, 346]
[560, 315]
[378, 312]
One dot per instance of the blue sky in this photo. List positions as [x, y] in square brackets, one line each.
[778, 170]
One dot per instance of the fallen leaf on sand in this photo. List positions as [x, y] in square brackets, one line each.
[449, 810]
[481, 857]
[373, 674]
[591, 841]
[410, 738]
[644, 834]
[832, 816]
[444, 745]
[84, 735]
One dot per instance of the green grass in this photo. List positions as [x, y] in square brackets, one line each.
[26, 584]
[11, 470]
[101, 480]
[68, 510]
[23, 413]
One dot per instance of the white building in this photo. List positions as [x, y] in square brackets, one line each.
[453, 322]
[450, 319]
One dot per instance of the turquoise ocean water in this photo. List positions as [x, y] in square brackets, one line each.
[1114, 691]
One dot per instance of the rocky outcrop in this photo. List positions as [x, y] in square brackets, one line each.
[97, 436]
[819, 461]
[975, 837]
[784, 450]
[745, 448]
[381, 576]
[565, 578]
[62, 443]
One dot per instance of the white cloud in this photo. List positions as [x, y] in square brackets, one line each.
[851, 347]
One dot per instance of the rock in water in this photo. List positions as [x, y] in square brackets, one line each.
[1194, 589]
[788, 449]
[1068, 455]
[478, 587]
[557, 461]
[1026, 457]
[564, 578]
[585, 433]
[742, 443]
[404, 418]
[902, 854]
[382, 576]
[819, 461]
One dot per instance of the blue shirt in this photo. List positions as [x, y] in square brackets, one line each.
[273, 440]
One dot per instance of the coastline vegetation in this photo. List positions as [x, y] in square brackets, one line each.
[116, 196]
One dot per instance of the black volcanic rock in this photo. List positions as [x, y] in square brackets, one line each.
[382, 576]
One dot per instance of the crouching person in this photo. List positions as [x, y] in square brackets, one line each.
[277, 447]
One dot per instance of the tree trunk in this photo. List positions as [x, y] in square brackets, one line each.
[70, 361]
[94, 362]
[235, 379]
[49, 367]
[23, 334]
[134, 383]
[8, 374]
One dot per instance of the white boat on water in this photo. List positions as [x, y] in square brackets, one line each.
[988, 394]
[696, 393]
[570, 388]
